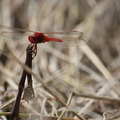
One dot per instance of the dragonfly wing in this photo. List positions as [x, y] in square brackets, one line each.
[13, 29]
[11, 34]
[17, 42]
[70, 39]
[14, 37]
[74, 42]
[64, 33]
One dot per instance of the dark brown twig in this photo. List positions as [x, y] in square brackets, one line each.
[15, 111]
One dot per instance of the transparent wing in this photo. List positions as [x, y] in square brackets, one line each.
[14, 36]
[16, 39]
[69, 38]
[13, 29]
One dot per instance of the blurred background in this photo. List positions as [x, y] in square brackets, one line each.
[91, 68]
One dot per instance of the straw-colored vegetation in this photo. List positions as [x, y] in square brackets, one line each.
[71, 81]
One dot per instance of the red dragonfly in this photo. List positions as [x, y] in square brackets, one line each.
[74, 38]
[38, 37]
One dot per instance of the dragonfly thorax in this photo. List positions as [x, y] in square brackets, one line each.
[37, 38]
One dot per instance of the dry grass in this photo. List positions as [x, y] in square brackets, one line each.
[91, 70]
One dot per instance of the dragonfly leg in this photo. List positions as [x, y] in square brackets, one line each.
[33, 48]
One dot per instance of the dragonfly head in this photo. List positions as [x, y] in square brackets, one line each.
[31, 39]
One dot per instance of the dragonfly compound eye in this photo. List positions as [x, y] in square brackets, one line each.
[31, 39]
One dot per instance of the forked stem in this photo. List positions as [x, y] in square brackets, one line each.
[28, 62]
